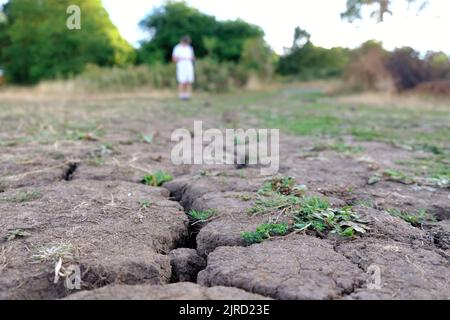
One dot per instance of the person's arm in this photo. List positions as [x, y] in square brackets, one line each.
[174, 55]
[193, 54]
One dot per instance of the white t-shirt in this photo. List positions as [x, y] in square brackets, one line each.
[183, 52]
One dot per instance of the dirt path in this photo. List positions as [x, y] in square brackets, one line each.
[71, 193]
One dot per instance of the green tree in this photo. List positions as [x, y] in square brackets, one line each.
[438, 65]
[223, 41]
[3, 36]
[307, 61]
[232, 36]
[301, 38]
[40, 46]
[383, 7]
[167, 24]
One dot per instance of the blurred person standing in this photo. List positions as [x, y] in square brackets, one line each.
[183, 55]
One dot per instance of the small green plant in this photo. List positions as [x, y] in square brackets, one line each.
[311, 213]
[26, 196]
[245, 197]
[433, 171]
[345, 148]
[430, 148]
[242, 175]
[202, 215]
[373, 180]
[366, 134]
[97, 156]
[265, 231]
[144, 204]
[347, 232]
[86, 131]
[368, 203]
[81, 135]
[315, 213]
[157, 179]
[147, 138]
[416, 220]
[313, 204]
[397, 175]
[282, 185]
[16, 233]
[338, 146]
[272, 203]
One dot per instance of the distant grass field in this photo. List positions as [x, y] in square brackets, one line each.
[409, 123]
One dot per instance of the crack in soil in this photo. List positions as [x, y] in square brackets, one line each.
[70, 171]
[185, 261]
[360, 284]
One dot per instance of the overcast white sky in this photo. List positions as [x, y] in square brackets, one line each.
[321, 18]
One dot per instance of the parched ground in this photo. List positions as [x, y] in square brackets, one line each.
[71, 196]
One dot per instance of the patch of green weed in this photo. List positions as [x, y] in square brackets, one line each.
[307, 212]
[415, 219]
[276, 201]
[16, 233]
[317, 215]
[434, 170]
[265, 231]
[147, 138]
[343, 147]
[366, 134]
[397, 175]
[202, 215]
[86, 131]
[26, 196]
[98, 155]
[144, 204]
[282, 185]
[156, 179]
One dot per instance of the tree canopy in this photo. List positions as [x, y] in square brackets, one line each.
[383, 7]
[307, 61]
[36, 43]
[222, 40]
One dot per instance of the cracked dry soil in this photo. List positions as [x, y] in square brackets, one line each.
[132, 241]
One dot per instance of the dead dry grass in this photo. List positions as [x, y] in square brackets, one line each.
[67, 91]
[407, 101]
[4, 258]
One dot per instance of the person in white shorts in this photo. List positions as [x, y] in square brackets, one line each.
[183, 55]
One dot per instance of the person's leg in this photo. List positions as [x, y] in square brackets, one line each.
[185, 91]
[188, 90]
[181, 90]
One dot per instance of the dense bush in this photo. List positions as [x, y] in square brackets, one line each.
[256, 58]
[367, 68]
[211, 76]
[96, 78]
[406, 68]
[438, 65]
[311, 62]
[306, 61]
[373, 68]
[434, 87]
